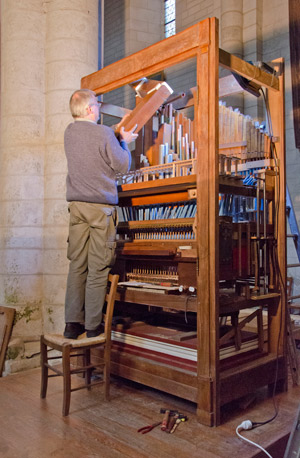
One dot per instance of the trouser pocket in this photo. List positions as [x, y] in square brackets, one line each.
[110, 253]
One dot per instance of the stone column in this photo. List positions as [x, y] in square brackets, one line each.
[231, 37]
[46, 48]
[71, 52]
[143, 24]
[252, 37]
[21, 165]
[232, 26]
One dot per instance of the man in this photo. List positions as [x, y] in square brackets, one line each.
[94, 157]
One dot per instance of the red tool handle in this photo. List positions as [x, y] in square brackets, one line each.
[171, 423]
[164, 423]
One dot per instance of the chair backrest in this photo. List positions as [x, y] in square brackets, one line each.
[7, 315]
[110, 302]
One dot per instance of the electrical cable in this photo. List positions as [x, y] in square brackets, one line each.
[246, 425]
[188, 297]
[281, 282]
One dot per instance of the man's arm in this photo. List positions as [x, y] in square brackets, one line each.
[117, 150]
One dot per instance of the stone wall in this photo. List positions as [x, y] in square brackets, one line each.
[46, 47]
[129, 26]
[22, 166]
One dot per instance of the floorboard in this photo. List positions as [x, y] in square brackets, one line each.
[31, 427]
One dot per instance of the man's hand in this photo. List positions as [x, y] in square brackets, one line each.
[128, 136]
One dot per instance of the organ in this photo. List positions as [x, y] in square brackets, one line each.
[201, 231]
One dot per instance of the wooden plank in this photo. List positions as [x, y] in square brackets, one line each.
[7, 315]
[244, 380]
[179, 302]
[155, 199]
[249, 71]
[142, 370]
[150, 60]
[146, 108]
[163, 185]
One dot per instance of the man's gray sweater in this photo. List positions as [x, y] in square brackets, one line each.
[94, 157]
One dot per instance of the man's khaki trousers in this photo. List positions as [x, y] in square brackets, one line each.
[91, 252]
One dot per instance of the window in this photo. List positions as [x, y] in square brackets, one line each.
[170, 23]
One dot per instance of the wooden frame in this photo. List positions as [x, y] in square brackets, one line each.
[212, 388]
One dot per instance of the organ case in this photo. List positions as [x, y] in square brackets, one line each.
[186, 262]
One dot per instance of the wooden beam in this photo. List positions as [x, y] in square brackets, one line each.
[228, 85]
[146, 108]
[249, 71]
[153, 59]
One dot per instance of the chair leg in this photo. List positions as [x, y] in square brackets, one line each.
[237, 334]
[106, 373]
[44, 369]
[67, 380]
[87, 362]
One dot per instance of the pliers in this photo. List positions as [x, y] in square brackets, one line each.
[147, 429]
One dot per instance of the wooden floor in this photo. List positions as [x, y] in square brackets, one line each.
[34, 428]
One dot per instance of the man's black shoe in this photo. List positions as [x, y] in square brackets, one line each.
[95, 332]
[73, 330]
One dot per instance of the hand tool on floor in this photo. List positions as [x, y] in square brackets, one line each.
[178, 420]
[165, 421]
[167, 417]
[172, 421]
[147, 429]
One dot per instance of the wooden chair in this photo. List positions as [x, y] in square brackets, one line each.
[79, 348]
[237, 326]
[7, 315]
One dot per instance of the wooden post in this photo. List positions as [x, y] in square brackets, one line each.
[207, 131]
[277, 319]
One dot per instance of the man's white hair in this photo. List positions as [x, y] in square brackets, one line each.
[79, 102]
